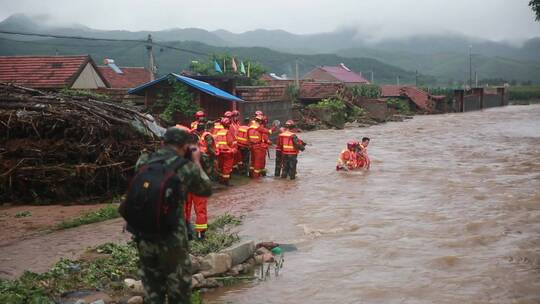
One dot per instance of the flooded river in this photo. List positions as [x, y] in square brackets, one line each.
[449, 213]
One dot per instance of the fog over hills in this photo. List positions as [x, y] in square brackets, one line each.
[442, 55]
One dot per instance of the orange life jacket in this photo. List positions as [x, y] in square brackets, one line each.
[285, 142]
[242, 136]
[255, 137]
[348, 158]
[224, 141]
[202, 142]
[217, 127]
[194, 125]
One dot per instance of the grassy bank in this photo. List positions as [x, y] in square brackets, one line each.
[108, 212]
[524, 92]
[104, 268]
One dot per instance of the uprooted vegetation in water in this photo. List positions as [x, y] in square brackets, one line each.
[104, 268]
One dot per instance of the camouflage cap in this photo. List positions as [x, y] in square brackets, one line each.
[175, 135]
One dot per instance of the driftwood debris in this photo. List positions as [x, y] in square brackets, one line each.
[61, 148]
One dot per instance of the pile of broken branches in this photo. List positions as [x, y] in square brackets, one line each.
[60, 148]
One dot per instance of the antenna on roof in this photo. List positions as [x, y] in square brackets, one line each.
[110, 63]
[344, 67]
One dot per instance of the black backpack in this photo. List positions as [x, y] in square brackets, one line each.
[151, 207]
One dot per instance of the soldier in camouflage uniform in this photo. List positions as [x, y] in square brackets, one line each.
[164, 262]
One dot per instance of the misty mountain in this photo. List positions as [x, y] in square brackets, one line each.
[444, 56]
[168, 60]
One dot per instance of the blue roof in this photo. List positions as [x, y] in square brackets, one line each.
[194, 83]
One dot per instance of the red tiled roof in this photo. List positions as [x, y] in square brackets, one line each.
[319, 90]
[391, 90]
[42, 71]
[130, 78]
[421, 98]
[344, 75]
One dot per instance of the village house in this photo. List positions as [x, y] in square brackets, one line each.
[214, 101]
[52, 72]
[340, 73]
[124, 77]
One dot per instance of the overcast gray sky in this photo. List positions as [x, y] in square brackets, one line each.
[491, 19]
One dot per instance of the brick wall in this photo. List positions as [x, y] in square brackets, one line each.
[262, 93]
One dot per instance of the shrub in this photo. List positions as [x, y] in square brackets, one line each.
[402, 105]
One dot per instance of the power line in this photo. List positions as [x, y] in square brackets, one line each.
[104, 39]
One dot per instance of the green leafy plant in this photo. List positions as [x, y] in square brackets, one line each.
[367, 91]
[181, 101]
[402, 105]
[524, 92]
[219, 235]
[23, 214]
[108, 212]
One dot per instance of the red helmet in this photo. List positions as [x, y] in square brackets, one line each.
[351, 144]
[289, 123]
[259, 113]
[259, 118]
[200, 114]
[236, 113]
[225, 121]
[228, 114]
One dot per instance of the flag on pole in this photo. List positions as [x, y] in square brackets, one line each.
[242, 68]
[249, 69]
[233, 64]
[217, 68]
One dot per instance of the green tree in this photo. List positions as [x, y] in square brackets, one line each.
[181, 101]
[535, 5]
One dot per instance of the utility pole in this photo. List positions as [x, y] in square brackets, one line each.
[151, 64]
[416, 78]
[397, 78]
[372, 82]
[470, 66]
[476, 79]
[297, 77]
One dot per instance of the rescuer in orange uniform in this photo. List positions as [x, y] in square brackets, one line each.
[226, 145]
[347, 158]
[200, 116]
[242, 140]
[290, 145]
[258, 139]
[362, 157]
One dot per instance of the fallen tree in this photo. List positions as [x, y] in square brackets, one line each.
[57, 147]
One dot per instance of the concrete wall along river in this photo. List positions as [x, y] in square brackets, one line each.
[450, 213]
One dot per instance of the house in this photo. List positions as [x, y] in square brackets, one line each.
[339, 73]
[214, 101]
[52, 72]
[418, 98]
[124, 77]
[312, 92]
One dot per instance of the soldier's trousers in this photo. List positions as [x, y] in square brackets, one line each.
[279, 163]
[200, 204]
[289, 165]
[165, 269]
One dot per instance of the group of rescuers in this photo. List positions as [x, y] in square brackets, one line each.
[218, 148]
[226, 145]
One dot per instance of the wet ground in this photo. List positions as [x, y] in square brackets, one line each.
[449, 213]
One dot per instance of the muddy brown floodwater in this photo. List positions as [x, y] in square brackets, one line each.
[449, 213]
